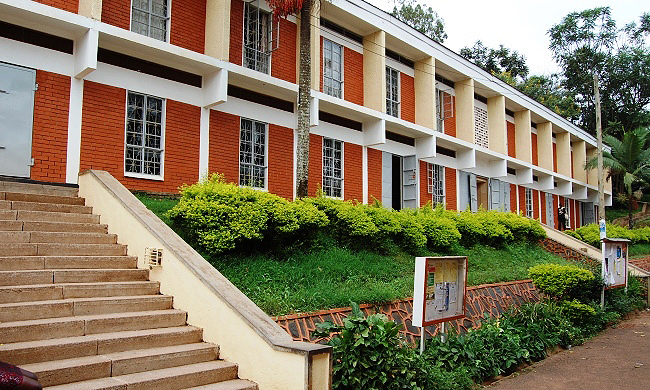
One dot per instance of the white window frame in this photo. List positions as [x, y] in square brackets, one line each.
[440, 110]
[265, 167]
[261, 11]
[324, 188]
[139, 175]
[528, 197]
[341, 81]
[399, 97]
[167, 21]
[431, 184]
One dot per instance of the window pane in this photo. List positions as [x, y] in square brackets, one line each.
[144, 128]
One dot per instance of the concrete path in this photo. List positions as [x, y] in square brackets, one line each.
[618, 359]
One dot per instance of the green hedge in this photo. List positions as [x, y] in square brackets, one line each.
[590, 234]
[560, 281]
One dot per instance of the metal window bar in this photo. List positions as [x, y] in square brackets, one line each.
[332, 68]
[436, 187]
[392, 92]
[149, 17]
[529, 202]
[144, 132]
[332, 168]
[440, 111]
[261, 37]
[252, 154]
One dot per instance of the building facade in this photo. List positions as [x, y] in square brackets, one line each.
[161, 92]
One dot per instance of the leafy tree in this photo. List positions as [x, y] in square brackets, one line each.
[422, 18]
[589, 42]
[497, 61]
[629, 158]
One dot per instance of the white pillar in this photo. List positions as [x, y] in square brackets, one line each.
[73, 155]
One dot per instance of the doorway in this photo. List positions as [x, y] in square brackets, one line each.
[482, 189]
[16, 119]
[399, 181]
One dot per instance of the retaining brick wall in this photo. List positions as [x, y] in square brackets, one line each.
[224, 145]
[510, 128]
[353, 76]
[187, 25]
[567, 253]
[283, 60]
[117, 13]
[50, 130]
[482, 301]
[352, 172]
[407, 97]
[66, 5]
[374, 175]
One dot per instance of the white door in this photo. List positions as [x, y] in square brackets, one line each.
[409, 182]
[16, 119]
[387, 179]
[550, 215]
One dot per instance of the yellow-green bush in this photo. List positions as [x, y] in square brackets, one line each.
[560, 281]
[591, 234]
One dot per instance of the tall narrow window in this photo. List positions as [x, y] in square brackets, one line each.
[332, 68]
[392, 92]
[333, 167]
[252, 154]
[144, 135]
[440, 111]
[149, 17]
[529, 203]
[436, 186]
[257, 38]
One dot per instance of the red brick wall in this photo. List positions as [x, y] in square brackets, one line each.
[407, 97]
[352, 75]
[542, 195]
[425, 196]
[236, 31]
[224, 145]
[533, 139]
[66, 5]
[50, 131]
[374, 175]
[535, 204]
[283, 60]
[187, 24]
[513, 198]
[554, 158]
[315, 163]
[522, 200]
[280, 160]
[450, 123]
[450, 189]
[117, 13]
[510, 127]
[102, 139]
[352, 172]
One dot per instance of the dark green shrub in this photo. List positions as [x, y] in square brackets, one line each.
[622, 302]
[560, 281]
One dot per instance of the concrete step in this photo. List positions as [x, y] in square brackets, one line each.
[8, 215]
[174, 378]
[23, 311]
[57, 372]
[48, 249]
[46, 292]
[51, 216]
[37, 189]
[11, 226]
[57, 237]
[63, 227]
[15, 263]
[31, 277]
[54, 328]
[104, 343]
[51, 207]
[25, 197]
[235, 384]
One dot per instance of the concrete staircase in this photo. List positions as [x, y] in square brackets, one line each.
[75, 310]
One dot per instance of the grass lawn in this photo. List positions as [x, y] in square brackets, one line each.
[639, 250]
[332, 276]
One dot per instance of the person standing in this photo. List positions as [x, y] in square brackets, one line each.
[561, 218]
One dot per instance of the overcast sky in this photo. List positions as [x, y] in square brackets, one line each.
[517, 24]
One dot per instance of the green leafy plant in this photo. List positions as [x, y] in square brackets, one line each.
[560, 281]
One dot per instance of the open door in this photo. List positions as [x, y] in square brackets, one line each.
[387, 179]
[409, 183]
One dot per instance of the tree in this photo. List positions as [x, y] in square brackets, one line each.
[283, 8]
[497, 61]
[422, 18]
[629, 158]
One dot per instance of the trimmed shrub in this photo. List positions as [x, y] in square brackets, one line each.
[560, 281]
[590, 234]
[441, 232]
[482, 227]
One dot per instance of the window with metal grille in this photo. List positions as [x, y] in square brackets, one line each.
[567, 218]
[332, 68]
[436, 186]
[333, 167]
[481, 126]
[392, 92]
[149, 17]
[261, 37]
[144, 134]
[529, 203]
[252, 154]
[440, 111]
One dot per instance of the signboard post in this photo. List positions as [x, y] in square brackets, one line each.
[440, 287]
[614, 264]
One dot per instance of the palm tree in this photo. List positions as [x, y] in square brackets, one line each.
[282, 8]
[629, 158]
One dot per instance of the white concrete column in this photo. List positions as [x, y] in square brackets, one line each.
[523, 144]
[425, 97]
[465, 110]
[217, 29]
[364, 174]
[73, 153]
[563, 149]
[497, 130]
[545, 145]
[579, 159]
[204, 143]
[91, 9]
[374, 71]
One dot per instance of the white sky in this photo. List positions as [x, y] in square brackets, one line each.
[520, 25]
